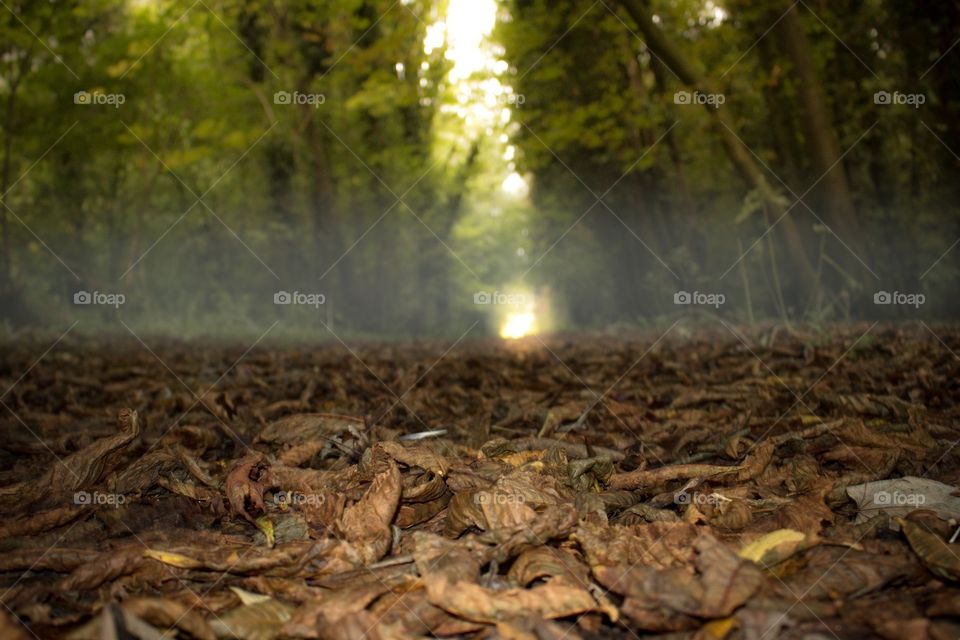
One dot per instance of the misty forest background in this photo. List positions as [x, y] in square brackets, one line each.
[200, 196]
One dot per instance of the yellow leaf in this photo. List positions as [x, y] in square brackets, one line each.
[173, 559]
[774, 547]
[264, 524]
[717, 629]
[247, 597]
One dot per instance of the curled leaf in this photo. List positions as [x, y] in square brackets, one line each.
[937, 555]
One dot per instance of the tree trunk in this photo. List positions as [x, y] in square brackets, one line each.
[326, 237]
[832, 195]
[749, 169]
[6, 263]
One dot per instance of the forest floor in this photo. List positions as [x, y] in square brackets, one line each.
[710, 484]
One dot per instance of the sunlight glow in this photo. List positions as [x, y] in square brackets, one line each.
[515, 185]
[151, 6]
[712, 14]
[436, 36]
[518, 325]
[469, 22]
[478, 94]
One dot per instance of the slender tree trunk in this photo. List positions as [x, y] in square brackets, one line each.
[326, 236]
[820, 138]
[6, 264]
[798, 238]
[680, 206]
[782, 121]
[746, 165]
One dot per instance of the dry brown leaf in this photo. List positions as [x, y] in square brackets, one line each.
[416, 456]
[657, 544]
[35, 523]
[245, 485]
[939, 556]
[260, 620]
[436, 555]
[338, 606]
[557, 598]
[832, 572]
[546, 562]
[10, 630]
[80, 470]
[731, 516]
[305, 427]
[511, 502]
[366, 524]
[166, 613]
[721, 584]
[652, 478]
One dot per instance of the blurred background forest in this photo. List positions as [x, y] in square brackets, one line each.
[591, 164]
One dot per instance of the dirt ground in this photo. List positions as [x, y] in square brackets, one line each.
[713, 484]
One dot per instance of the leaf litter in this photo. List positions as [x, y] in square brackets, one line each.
[792, 486]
